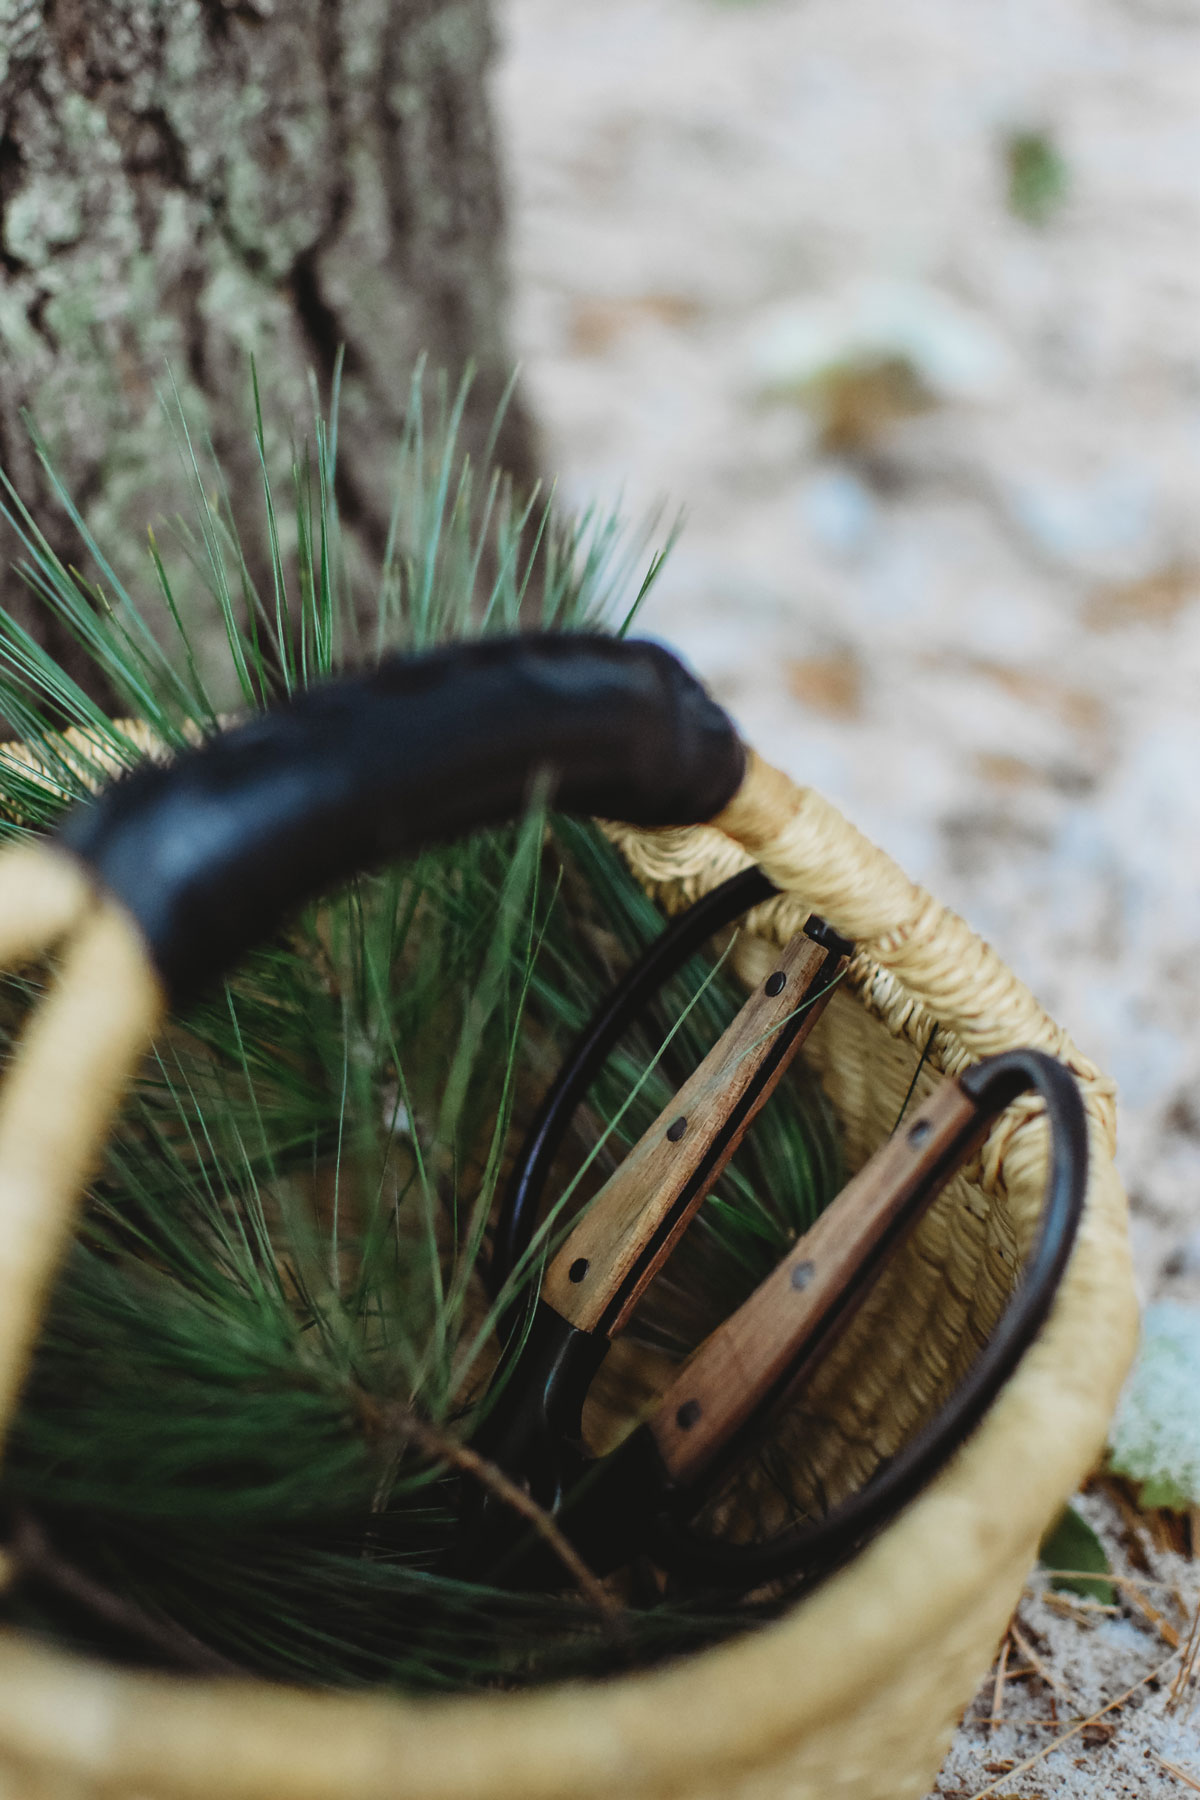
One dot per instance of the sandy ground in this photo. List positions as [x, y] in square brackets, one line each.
[940, 463]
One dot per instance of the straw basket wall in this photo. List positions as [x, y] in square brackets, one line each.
[852, 1695]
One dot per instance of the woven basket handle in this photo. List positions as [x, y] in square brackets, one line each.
[210, 851]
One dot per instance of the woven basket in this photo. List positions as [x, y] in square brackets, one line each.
[853, 1694]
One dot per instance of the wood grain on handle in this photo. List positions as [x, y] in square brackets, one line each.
[765, 1348]
[636, 1219]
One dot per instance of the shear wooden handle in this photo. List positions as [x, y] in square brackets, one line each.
[638, 1471]
[768, 1346]
[210, 852]
[633, 1224]
[646, 977]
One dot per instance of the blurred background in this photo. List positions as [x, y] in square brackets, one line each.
[900, 308]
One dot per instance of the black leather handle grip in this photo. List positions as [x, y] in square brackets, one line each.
[209, 852]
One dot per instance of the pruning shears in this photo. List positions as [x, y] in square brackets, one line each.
[202, 857]
[641, 1498]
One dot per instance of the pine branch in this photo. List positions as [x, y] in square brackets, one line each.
[397, 1426]
[287, 1231]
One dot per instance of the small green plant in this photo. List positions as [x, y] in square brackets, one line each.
[1037, 174]
[1077, 1560]
[240, 1442]
[1155, 1437]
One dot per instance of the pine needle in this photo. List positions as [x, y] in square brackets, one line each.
[245, 1436]
[1066, 1736]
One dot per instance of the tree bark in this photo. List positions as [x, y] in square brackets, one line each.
[184, 182]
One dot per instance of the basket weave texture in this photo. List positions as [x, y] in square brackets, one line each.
[853, 1694]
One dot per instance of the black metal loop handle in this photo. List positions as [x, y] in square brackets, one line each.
[992, 1085]
[819, 1547]
[210, 852]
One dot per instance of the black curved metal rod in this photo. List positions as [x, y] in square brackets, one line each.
[664, 958]
[823, 1545]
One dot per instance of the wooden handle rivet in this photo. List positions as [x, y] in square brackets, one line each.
[775, 984]
[676, 1129]
[688, 1415]
[802, 1274]
[578, 1269]
[919, 1132]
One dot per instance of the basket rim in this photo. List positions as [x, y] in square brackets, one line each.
[964, 1543]
[964, 1533]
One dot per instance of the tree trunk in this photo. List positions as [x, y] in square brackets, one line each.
[184, 182]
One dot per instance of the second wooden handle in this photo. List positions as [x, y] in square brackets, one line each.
[636, 1219]
[764, 1349]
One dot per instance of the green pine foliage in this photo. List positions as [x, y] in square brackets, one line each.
[222, 1457]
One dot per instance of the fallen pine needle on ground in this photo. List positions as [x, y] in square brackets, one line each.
[1088, 1700]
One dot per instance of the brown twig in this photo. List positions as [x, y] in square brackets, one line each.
[1024, 1721]
[1074, 1606]
[33, 1554]
[401, 1422]
[1152, 1616]
[1111, 1577]
[1134, 1523]
[1031, 1656]
[1174, 1769]
[1187, 1663]
[997, 1714]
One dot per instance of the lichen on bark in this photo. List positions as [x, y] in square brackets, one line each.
[186, 182]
